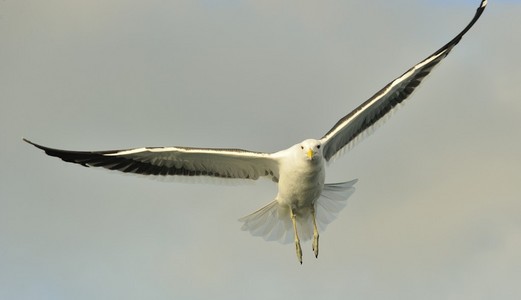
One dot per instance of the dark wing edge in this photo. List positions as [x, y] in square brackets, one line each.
[175, 161]
[347, 129]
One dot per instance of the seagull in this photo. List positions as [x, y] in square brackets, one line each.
[304, 202]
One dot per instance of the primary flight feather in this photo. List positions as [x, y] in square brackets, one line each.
[304, 204]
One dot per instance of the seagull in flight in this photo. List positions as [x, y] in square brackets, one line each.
[304, 204]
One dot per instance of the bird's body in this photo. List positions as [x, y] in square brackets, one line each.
[304, 204]
[301, 175]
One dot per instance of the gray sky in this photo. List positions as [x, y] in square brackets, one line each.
[437, 211]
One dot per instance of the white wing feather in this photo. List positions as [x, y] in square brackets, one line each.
[346, 130]
[176, 161]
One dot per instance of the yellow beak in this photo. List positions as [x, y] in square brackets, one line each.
[310, 153]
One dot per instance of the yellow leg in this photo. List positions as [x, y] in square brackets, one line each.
[297, 240]
[315, 232]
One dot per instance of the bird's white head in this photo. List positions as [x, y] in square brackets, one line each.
[310, 150]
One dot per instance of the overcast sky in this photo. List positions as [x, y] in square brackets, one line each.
[437, 211]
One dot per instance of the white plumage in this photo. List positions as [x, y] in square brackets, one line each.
[272, 223]
[304, 204]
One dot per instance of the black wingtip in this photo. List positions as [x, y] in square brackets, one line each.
[456, 39]
[65, 155]
[47, 150]
[34, 144]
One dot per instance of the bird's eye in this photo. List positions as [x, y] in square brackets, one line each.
[301, 147]
[318, 146]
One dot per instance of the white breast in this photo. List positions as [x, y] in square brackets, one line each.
[300, 183]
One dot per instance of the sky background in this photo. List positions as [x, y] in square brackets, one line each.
[437, 211]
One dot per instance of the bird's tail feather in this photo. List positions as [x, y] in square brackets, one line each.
[332, 200]
[273, 223]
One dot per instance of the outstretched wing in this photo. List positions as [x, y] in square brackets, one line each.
[178, 161]
[371, 111]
